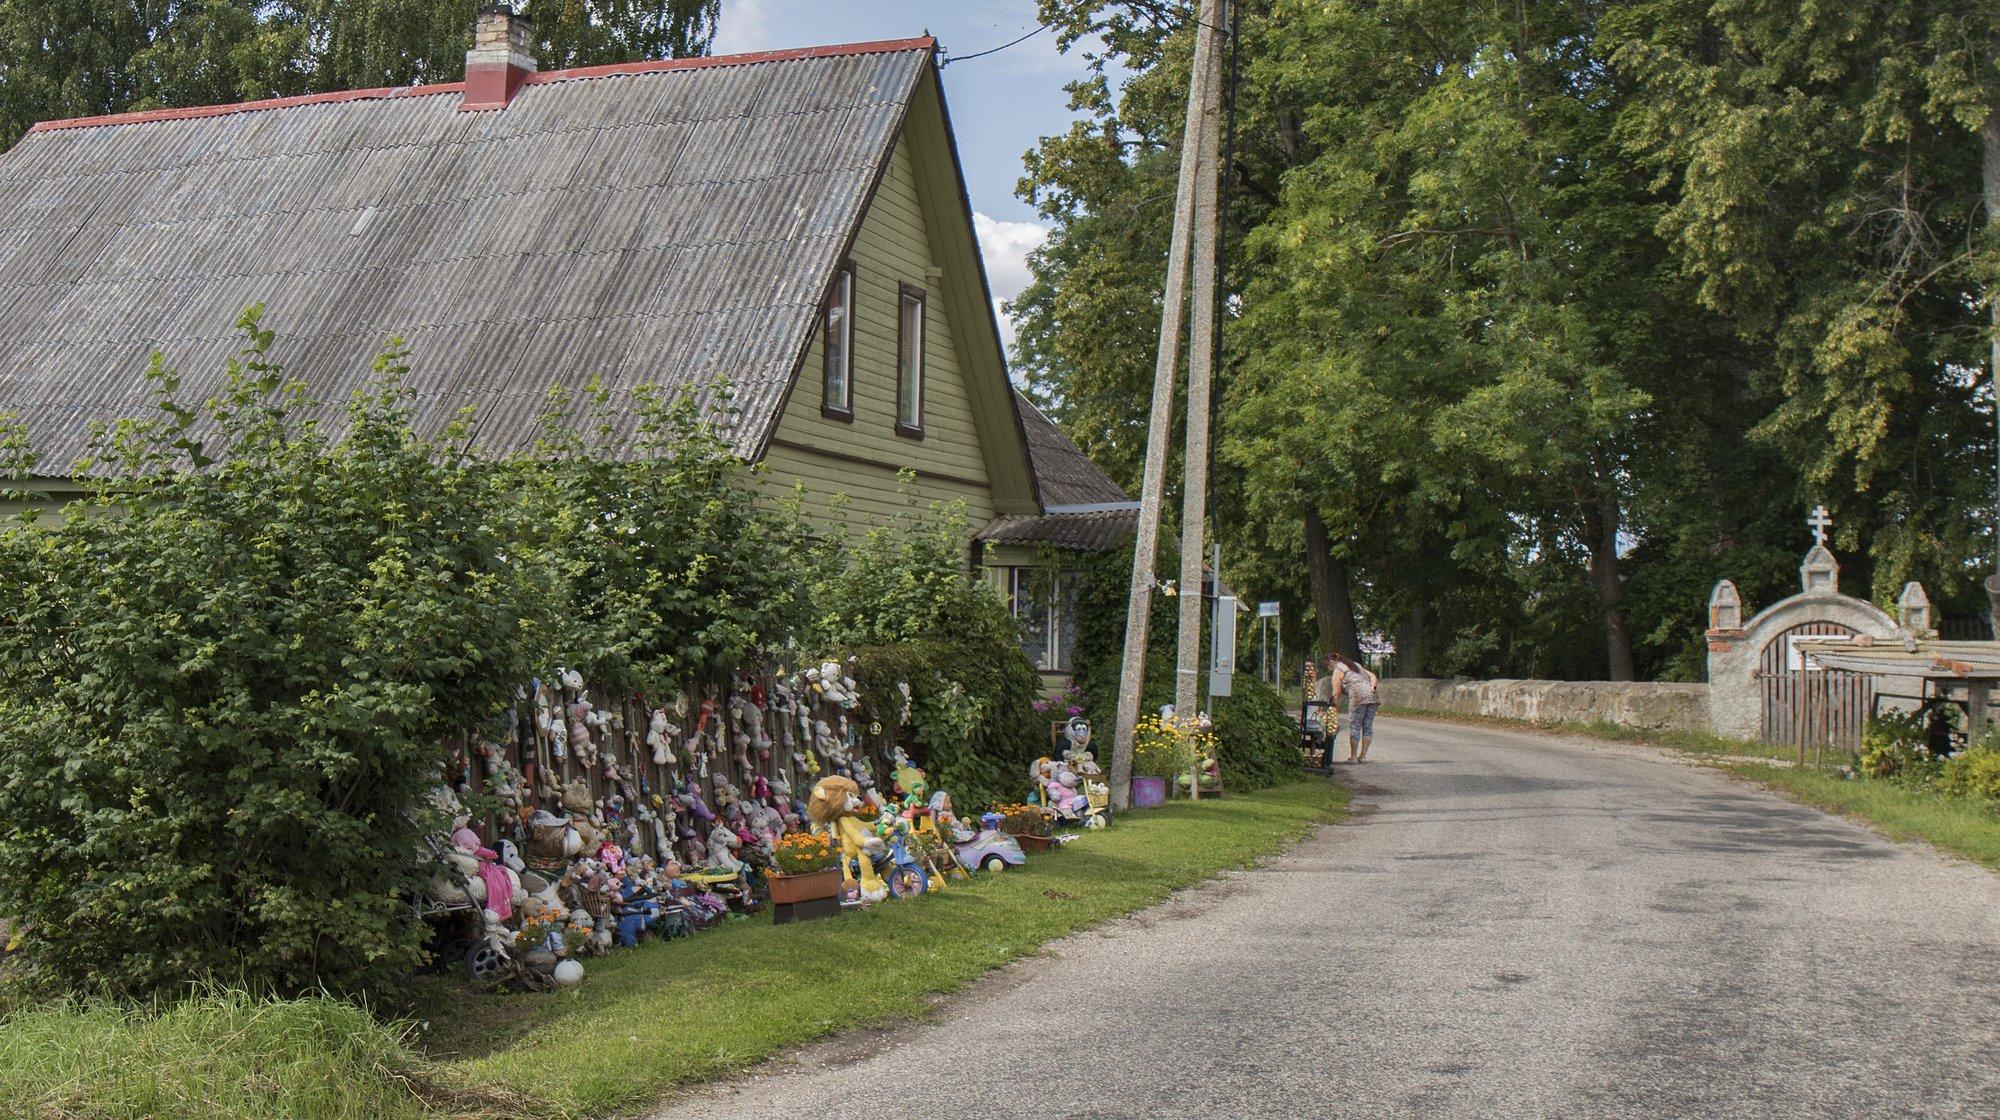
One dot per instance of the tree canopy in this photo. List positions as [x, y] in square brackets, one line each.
[1543, 317]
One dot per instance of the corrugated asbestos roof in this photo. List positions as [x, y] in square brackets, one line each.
[1933, 659]
[1087, 510]
[1067, 475]
[671, 224]
[1085, 532]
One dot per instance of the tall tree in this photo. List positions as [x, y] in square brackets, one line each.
[1823, 164]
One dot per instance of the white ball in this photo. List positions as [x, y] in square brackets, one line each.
[568, 974]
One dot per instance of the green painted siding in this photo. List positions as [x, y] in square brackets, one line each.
[56, 493]
[891, 250]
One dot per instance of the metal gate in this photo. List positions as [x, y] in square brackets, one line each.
[1811, 707]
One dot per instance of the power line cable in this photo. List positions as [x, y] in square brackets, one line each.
[949, 59]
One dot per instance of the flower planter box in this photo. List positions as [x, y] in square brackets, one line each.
[789, 889]
[1034, 843]
[1148, 793]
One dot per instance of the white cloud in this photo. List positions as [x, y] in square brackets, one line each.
[745, 26]
[1005, 246]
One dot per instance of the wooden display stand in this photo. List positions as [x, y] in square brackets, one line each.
[806, 911]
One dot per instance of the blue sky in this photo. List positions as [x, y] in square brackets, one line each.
[1000, 104]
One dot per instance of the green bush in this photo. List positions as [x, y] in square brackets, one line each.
[901, 602]
[224, 676]
[1973, 773]
[1894, 746]
[1257, 742]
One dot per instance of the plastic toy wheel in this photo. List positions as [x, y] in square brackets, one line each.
[1095, 822]
[485, 962]
[993, 863]
[908, 882]
[450, 949]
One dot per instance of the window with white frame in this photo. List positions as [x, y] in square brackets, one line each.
[910, 363]
[1044, 605]
[837, 392]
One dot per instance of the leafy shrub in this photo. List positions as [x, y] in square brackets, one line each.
[1973, 773]
[224, 676]
[1256, 741]
[1895, 746]
[901, 603]
[662, 565]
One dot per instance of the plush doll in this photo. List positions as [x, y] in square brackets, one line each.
[1062, 789]
[500, 885]
[836, 804]
[1079, 755]
[660, 735]
[571, 679]
[723, 844]
[947, 820]
[612, 857]
[551, 837]
[903, 718]
[502, 780]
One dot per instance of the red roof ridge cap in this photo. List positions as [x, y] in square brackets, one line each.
[615, 69]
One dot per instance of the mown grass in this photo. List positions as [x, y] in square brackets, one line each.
[1960, 826]
[645, 1021]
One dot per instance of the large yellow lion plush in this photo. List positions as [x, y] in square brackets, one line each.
[836, 803]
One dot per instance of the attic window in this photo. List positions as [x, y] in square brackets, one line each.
[910, 364]
[837, 343]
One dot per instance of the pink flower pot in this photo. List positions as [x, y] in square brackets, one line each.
[1148, 792]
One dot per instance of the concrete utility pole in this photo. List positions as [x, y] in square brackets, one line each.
[1159, 429]
[1989, 137]
[1201, 376]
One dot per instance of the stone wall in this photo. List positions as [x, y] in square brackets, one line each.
[1651, 706]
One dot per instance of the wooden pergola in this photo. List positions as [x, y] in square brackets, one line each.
[1964, 674]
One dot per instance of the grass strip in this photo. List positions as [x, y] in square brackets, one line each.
[667, 1014]
[220, 1055]
[1961, 826]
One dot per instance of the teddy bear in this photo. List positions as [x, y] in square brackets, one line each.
[660, 735]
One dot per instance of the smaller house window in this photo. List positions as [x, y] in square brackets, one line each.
[910, 364]
[1043, 603]
[837, 398]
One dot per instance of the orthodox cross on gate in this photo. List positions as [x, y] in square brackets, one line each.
[1820, 522]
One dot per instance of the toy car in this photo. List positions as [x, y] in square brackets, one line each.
[991, 849]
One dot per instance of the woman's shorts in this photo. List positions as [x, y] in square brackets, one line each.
[1361, 721]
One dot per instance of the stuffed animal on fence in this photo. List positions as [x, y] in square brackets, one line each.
[837, 805]
[660, 735]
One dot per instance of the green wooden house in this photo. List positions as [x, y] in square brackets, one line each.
[791, 225]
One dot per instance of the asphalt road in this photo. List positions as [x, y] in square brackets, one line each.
[1510, 926]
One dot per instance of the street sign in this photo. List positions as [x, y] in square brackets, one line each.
[1267, 610]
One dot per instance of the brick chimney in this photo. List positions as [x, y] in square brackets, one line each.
[501, 58]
